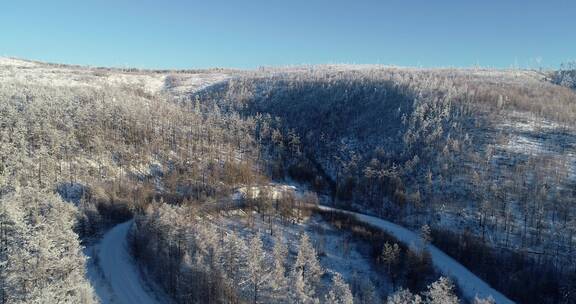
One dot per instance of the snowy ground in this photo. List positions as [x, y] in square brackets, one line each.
[117, 279]
[338, 251]
[113, 274]
[273, 191]
[178, 84]
[470, 284]
[530, 136]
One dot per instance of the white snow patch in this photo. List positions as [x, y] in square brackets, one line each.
[180, 85]
[524, 145]
[273, 191]
[148, 82]
[6, 61]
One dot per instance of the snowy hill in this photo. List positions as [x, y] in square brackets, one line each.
[482, 160]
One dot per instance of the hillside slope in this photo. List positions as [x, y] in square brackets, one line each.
[486, 158]
[486, 153]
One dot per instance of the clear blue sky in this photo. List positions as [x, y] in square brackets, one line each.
[247, 34]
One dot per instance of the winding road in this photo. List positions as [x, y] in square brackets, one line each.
[117, 279]
[470, 285]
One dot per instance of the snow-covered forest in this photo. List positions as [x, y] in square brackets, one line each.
[444, 185]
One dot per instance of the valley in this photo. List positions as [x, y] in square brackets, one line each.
[305, 184]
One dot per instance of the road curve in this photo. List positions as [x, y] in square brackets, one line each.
[470, 285]
[127, 287]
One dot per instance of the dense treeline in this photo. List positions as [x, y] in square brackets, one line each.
[566, 76]
[528, 280]
[111, 152]
[40, 256]
[108, 151]
[416, 146]
[432, 147]
[196, 258]
[408, 267]
[198, 261]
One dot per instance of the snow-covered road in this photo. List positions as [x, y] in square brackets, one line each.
[117, 279]
[469, 283]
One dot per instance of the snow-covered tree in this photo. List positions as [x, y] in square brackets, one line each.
[300, 291]
[404, 296]
[41, 261]
[280, 252]
[441, 292]
[339, 291]
[234, 257]
[426, 234]
[488, 300]
[390, 255]
[367, 293]
[307, 261]
[306, 273]
[258, 270]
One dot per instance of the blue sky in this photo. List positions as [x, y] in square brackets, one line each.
[248, 34]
